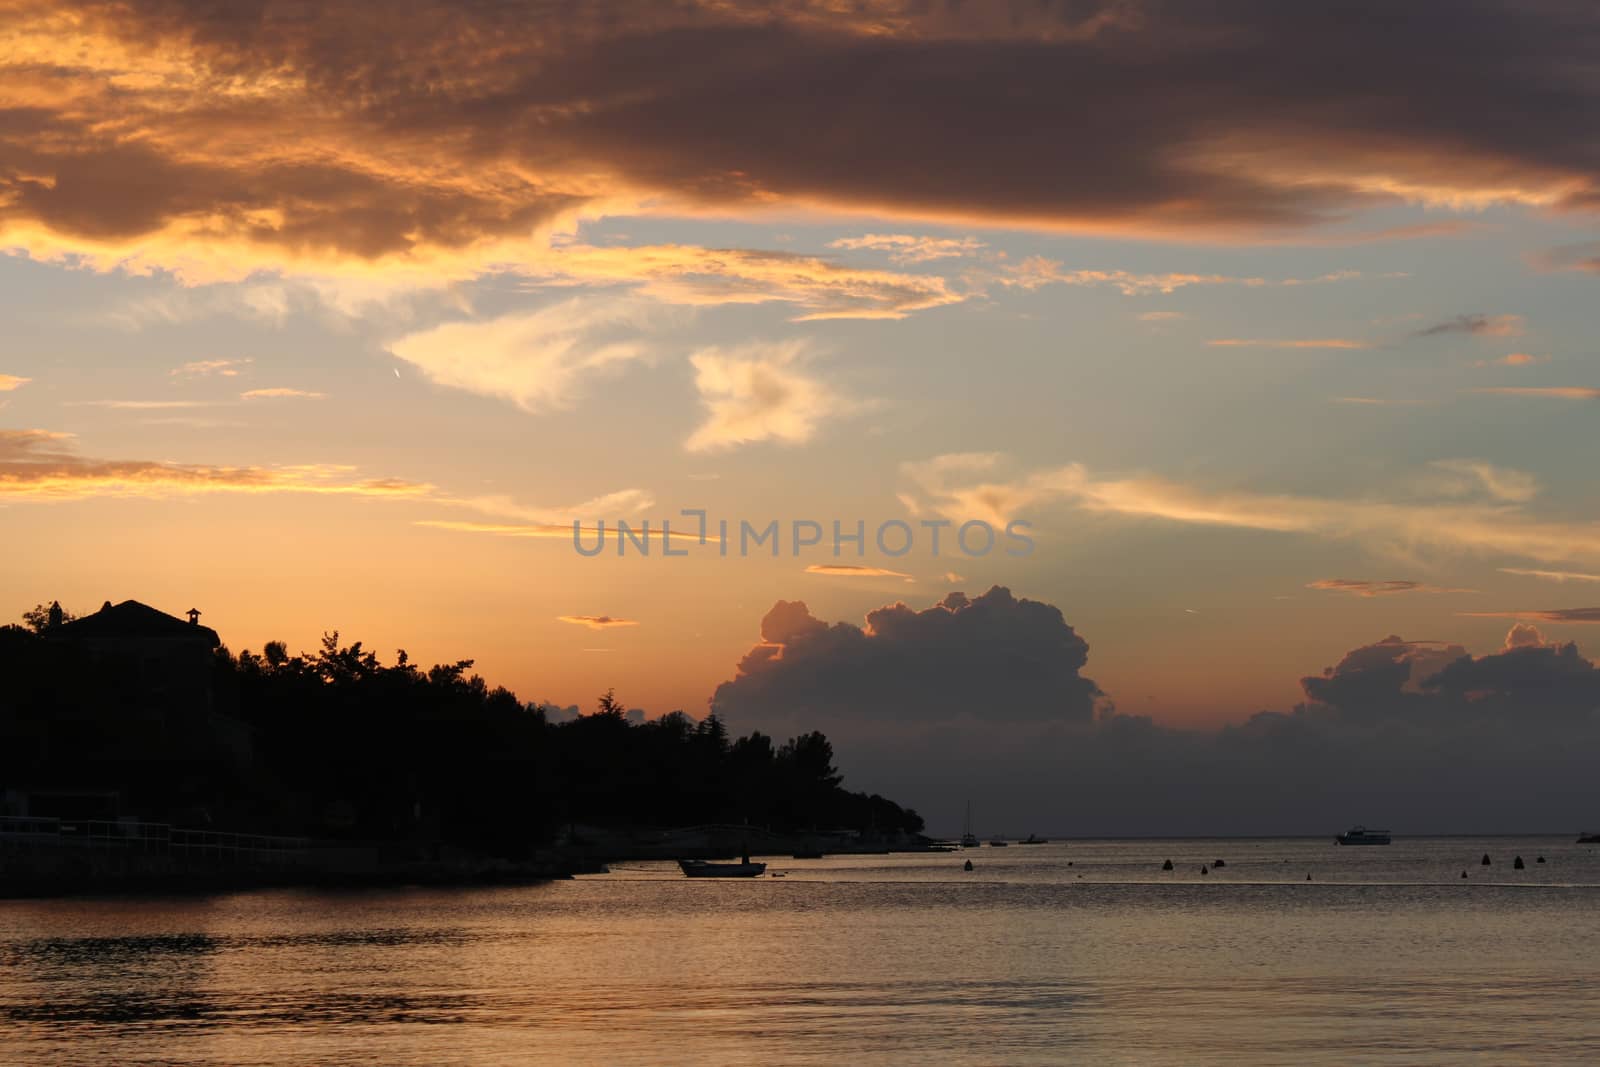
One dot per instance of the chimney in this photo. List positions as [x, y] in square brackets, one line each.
[194, 616]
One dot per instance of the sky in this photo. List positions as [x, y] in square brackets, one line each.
[1271, 326]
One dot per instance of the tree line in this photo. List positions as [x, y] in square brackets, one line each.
[337, 743]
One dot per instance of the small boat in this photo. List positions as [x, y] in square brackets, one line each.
[968, 838]
[1360, 835]
[999, 842]
[1034, 839]
[1589, 839]
[702, 869]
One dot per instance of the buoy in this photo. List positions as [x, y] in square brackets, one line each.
[1217, 864]
[1069, 863]
[1485, 860]
[1517, 864]
[1463, 874]
[1308, 876]
[1167, 866]
[1539, 860]
[967, 866]
[1203, 869]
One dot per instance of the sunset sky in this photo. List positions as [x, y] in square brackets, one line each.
[1277, 326]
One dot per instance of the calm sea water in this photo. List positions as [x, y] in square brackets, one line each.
[1080, 952]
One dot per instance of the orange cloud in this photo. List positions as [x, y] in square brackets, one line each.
[41, 465]
[597, 622]
[1559, 392]
[150, 135]
[1514, 359]
[1368, 588]
[847, 570]
[1324, 342]
[1579, 616]
[1552, 576]
[280, 393]
[8, 382]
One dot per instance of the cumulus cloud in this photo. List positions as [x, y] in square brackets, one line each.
[1477, 325]
[993, 657]
[1421, 735]
[159, 132]
[43, 465]
[759, 392]
[597, 622]
[539, 360]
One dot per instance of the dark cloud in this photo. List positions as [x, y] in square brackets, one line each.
[347, 129]
[1422, 735]
[992, 657]
[1481, 325]
[1578, 615]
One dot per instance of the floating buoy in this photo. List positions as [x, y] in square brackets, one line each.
[1517, 864]
[1217, 864]
[967, 866]
[1308, 876]
[1167, 866]
[1203, 869]
[1463, 874]
[1069, 863]
[1539, 860]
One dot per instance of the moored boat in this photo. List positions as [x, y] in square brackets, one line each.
[1034, 839]
[703, 869]
[1589, 839]
[1360, 835]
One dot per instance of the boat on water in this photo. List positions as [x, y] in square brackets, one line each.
[1034, 839]
[1589, 839]
[999, 842]
[968, 838]
[1360, 835]
[703, 869]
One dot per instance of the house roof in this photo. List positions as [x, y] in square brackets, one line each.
[132, 620]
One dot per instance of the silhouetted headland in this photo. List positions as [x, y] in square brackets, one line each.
[137, 751]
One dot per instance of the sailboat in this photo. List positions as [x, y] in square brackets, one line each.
[968, 838]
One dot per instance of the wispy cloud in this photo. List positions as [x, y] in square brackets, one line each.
[1038, 271]
[1551, 576]
[906, 248]
[1160, 316]
[1557, 392]
[760, 392]
[1477, 325]
[847, 570]
[1513, 359]
[1584, 616]
[1463, 476]
[281, 393]
[964, 486]
[597, 622]
[42, 465]
[8, 382]
[142, 405]
[222, 368]
[1314, 342]
[1370, 588]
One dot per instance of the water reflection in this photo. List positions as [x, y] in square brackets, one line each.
[1381, 958]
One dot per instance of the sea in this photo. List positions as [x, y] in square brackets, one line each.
[1249, 951]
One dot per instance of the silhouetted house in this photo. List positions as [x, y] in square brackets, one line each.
[163, 664]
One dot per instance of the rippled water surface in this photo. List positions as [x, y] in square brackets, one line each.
[1078, 952]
